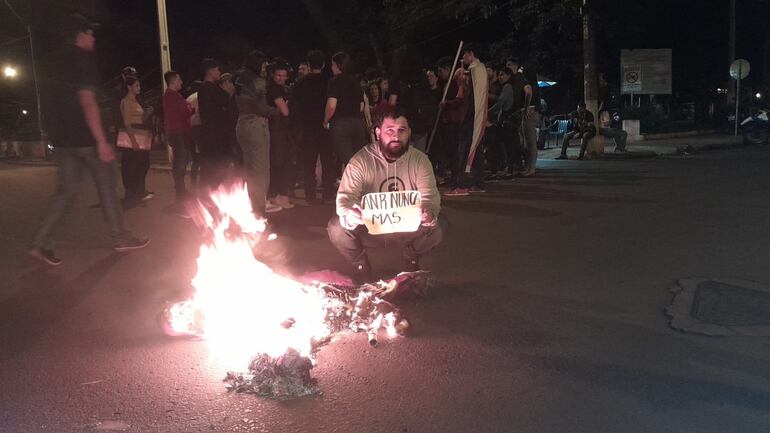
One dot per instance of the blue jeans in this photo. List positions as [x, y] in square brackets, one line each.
[352, 244]
[73, 162]
[348, 137]
[181, 151]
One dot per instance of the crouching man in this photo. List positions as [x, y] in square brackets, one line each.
[387, 196]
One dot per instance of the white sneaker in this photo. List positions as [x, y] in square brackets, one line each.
[283, 201]
[271, 207]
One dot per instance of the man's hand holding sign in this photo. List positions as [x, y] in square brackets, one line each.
[387, 196]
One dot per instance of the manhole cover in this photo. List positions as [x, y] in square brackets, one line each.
[729, 305]
[720, 307]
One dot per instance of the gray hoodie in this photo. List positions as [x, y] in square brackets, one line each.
[368, 171]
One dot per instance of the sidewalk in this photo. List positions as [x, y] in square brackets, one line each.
[638, 149]
[652, 148]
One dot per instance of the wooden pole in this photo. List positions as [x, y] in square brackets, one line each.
[443, 98]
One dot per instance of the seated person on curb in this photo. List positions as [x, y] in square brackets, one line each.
[606, 130]
[388, 165]
[582, 127]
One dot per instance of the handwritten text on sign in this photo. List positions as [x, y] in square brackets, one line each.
[391, 212]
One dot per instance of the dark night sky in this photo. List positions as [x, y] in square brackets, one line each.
[225, 29]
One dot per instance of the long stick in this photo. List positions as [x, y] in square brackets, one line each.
[443, 98]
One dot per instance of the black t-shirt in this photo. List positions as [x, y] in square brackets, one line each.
[518, 81]
[274, 92]
[213, 103]
[418, 102]
[347, 90]
[310, 100]
[66, 122]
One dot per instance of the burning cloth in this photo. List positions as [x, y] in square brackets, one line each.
[253, 318]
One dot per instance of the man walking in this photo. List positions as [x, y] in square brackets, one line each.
[79, 139]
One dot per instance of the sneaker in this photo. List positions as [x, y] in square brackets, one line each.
[457, 192]
[528, 172]
[561, 157]
[362, 273]
[271, 207]
[132, 243]
[44, 255]
[476, 189]
[411, 264]
[283, 201]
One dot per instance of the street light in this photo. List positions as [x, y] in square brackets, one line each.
[758, 95]
[34, 69]
[10, 72]
[24, 112]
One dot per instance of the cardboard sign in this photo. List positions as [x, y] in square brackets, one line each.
[392, 212]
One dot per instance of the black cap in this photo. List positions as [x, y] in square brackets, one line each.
[77, 23]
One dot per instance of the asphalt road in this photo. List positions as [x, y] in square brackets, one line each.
[548, 316]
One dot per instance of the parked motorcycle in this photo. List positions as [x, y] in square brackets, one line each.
[756, 128]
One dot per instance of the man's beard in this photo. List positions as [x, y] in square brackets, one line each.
[392, 151]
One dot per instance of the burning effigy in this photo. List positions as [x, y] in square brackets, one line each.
[266, 328]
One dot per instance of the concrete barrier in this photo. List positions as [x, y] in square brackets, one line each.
[24, 149]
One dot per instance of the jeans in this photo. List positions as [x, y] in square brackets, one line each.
[584, 136]
[194, 139]
[181, 154]
[317, 142]
[254, 138]
[280, 158]
[510, 135]
[618, 135]
[529, 138]
[476, 176]
[348, 136]
[352, 244]
[72, 163]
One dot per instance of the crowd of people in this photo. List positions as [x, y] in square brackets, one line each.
[286, 129]
[416, 127]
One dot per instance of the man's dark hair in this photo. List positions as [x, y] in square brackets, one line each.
[472, 48]
[316, 59]
[513, 60]
[278, 66]
[342, 59]
[254, 60]
[506, 70]
[208, 64]
[582, 104]
[170, 75]
[444, 62]
[73, 25]
[391, 113]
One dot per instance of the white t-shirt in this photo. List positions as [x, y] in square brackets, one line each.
[195, 120]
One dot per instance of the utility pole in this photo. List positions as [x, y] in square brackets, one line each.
[590, 75]
[28, 28]
[731, 51]
[165, 54]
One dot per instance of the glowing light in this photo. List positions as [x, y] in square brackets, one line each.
[24, 112]
[10, 72]
[758, 95]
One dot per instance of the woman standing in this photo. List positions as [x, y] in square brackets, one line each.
[134, 139]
